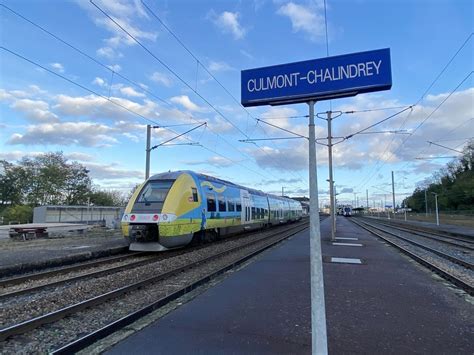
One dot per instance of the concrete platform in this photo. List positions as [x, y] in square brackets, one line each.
[17, 255]
[384, 304]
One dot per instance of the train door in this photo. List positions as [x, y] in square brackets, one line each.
[246, 207]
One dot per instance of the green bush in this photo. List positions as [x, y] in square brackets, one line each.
[18, 213]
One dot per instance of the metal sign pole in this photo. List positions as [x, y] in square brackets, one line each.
[318, 311]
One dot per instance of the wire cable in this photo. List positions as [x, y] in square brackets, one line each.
[177, 76]
[184, 82]
[120, 75]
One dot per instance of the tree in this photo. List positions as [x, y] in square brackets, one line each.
[454, 185]
[12, 183]
[20, 214]
[107, 198]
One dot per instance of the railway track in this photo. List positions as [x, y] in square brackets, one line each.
[63, 270]
[81, 272]
[455, 270]
[225, 259]
[448, 238]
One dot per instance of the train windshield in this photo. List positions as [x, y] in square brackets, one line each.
[155, 191]
[347, 209]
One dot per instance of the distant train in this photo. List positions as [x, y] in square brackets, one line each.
[171, 209]
[347, 211]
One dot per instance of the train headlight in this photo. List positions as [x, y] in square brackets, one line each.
[132, 217]
[156, 217]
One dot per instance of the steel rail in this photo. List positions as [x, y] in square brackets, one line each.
[440, 233]
[77, 266]
[449, 257]
[118, 268]
[430, 235]
[446, 275]
[59, 314]
[80, 277]
[101, 333]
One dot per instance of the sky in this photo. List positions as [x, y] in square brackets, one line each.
[73, 80]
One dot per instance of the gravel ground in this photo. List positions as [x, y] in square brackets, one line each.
[460, 241]
[455, 251]
[448, 266]
[75, 273]
[52, 336]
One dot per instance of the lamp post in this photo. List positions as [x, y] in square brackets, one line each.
[436, 206]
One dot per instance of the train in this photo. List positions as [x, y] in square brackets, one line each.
[347, 211]
[173, 209]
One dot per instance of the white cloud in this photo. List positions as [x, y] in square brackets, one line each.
[58, 67]
[218, 125]
[161, 78]
[109, 53]
[131, 92]
[115, 67]
[68, 133]
[305, 19]
[246, 54]
[112, 171]
[18, 155]
[132, 137]
[219, 66]
[217, 161]
[94, 106]
[35, 110]
[79, 156]
[229, 23]
[99, 81]
[186, 102]
[129, 14]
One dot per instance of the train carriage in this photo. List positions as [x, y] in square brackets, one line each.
[171, 209]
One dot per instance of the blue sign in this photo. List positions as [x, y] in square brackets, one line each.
[317, 79]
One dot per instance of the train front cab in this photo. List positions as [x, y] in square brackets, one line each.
[163, 213]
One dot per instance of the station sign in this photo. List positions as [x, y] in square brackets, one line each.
[317, 79]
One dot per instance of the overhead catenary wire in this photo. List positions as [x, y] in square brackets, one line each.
[79, 85]
[175, 74]
[184, 82]
[115, 103]
[75, 48]
[199, 62]
[379, 122]
[445, 67]
[420, 99]
[113, 72]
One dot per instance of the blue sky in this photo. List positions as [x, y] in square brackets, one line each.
[42, 112]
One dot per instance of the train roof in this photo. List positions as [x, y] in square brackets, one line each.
[173, 175]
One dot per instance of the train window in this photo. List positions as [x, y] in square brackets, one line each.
[253, 212]
[230, 205]
[257, 213]
[211, 203]
[222, 206]
[238, 206]
[155, 191]
[195, 194]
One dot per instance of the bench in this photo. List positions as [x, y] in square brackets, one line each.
[27, 232]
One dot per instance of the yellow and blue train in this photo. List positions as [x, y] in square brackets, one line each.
[171, 209]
